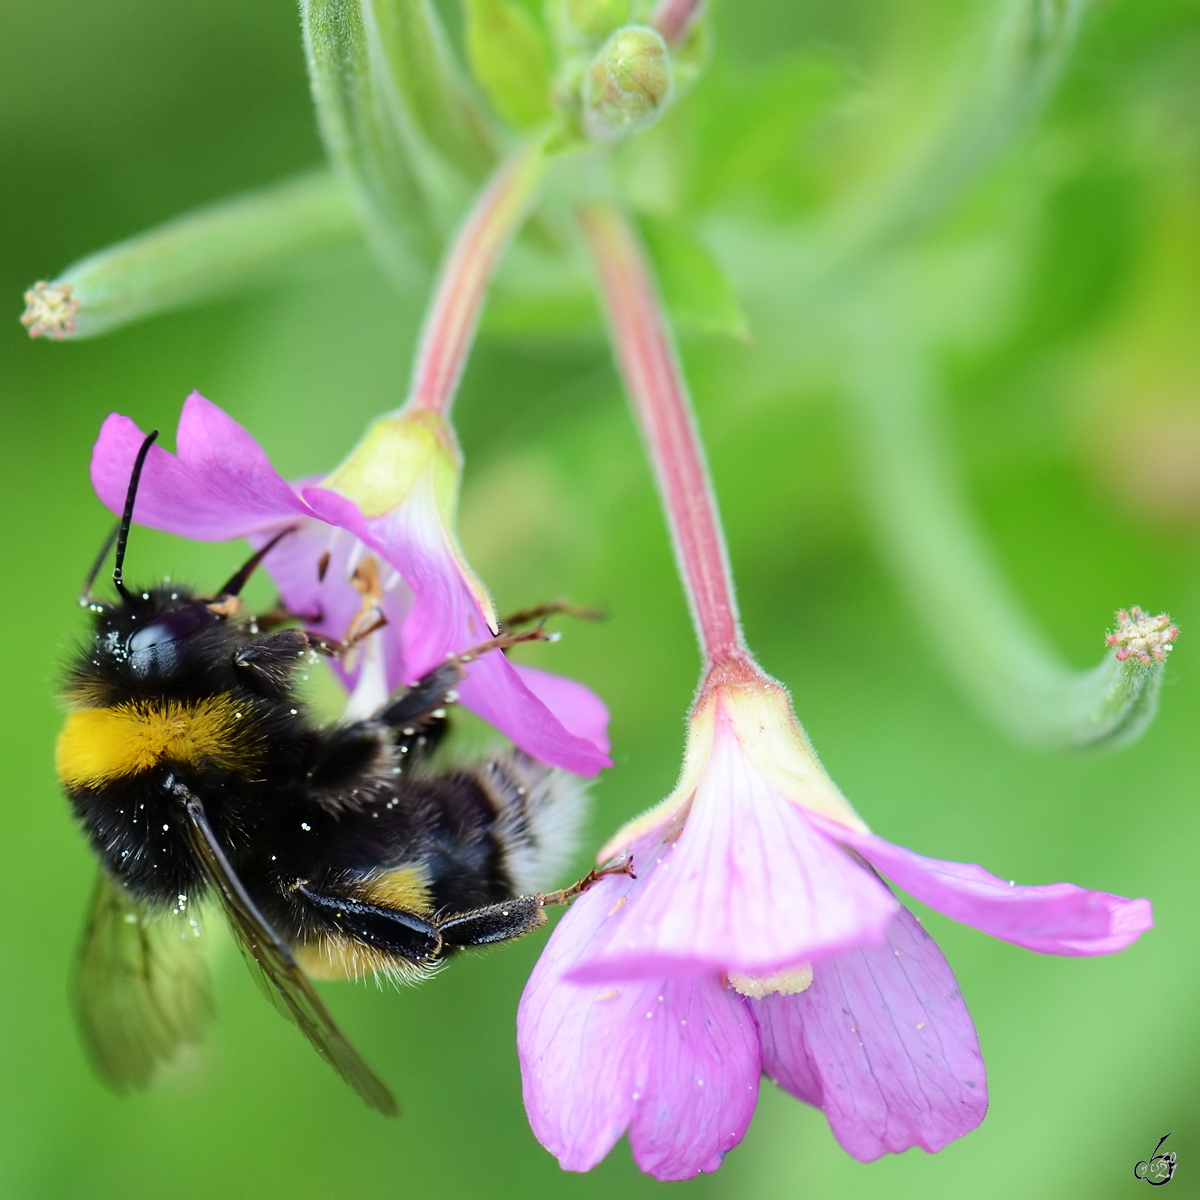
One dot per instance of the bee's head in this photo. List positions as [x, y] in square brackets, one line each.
[148, 637]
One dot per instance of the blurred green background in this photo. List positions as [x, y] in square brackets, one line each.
[1074, 391]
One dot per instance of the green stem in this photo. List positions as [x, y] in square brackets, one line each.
[675, 18]
[199, 254]
[378, 152]
[413, 57]
[466, 273]
[658, 393]
[1006, 83]
[1001, 660]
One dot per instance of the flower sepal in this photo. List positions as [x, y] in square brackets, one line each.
[741, 700]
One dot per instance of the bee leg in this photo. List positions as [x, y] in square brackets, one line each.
[269, 661]
[421, 709]
[567, 894]
[348, 756]
[525, 616]
[336, 648]
[422, 703]
[392, 931]
[513, 918]
[495, 923]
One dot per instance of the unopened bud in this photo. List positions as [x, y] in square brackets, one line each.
[628, 84]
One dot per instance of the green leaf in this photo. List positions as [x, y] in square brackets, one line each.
[430, 85]
[366, 143]
[695, 287]
[510, 59]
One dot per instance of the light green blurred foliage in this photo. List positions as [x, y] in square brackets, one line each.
[1061, 302]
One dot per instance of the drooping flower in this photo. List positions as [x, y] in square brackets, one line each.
[376, 534]
[759, 934]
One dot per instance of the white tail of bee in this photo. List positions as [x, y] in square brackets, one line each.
[541, 813]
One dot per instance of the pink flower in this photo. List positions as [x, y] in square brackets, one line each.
[759, 936]
[393, 501]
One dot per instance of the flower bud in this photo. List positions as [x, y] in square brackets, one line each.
[628, 84]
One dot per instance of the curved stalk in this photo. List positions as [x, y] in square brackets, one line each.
[675, 18]
[465, 274]
[1000, 659]
[199, 254]
[657, 390]
[1006, 85]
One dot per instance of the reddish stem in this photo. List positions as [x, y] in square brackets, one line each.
[659, 394]
[465, 275]
[674, 18]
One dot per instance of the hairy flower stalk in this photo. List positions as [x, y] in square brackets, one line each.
[675, 18]
[1001, 658]
[462, 284]
[374, 540]
[199, 254]
[656, 389]
[759, 934]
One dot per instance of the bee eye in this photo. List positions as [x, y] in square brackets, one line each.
[153, 649]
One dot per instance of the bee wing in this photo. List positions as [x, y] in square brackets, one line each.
[287, 985]
[141, 986]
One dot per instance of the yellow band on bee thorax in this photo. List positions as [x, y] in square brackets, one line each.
[99, 745]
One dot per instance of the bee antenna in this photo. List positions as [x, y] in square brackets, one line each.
[238, 580]
[127, 516]
[85, 596]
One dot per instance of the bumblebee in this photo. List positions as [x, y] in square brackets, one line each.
[335, 852]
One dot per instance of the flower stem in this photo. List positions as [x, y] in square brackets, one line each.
[465, 274]
[999, 656]
[1009, 73]
[648, 362]
[199, 254]
[674, 18]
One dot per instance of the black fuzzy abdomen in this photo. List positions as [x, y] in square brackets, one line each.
[136, 828]
[440, 827]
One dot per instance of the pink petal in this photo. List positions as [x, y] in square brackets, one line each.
[444, 618]
[495, 691]
[883, 1041]
[676, 1062]
[220, 486]
[327, 605]
[698, 1076]
[574, 704]
[1055, 918]
[749, 886]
